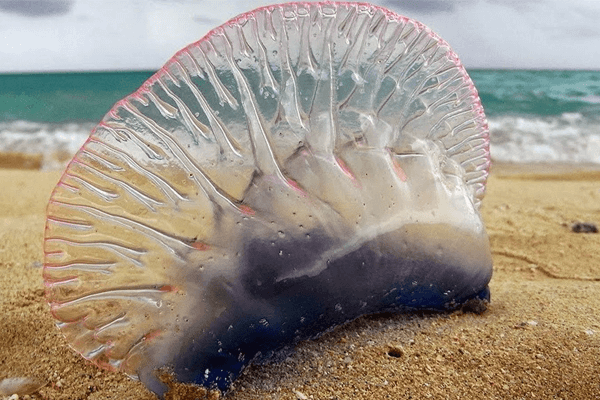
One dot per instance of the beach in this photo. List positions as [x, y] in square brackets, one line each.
[538, 338]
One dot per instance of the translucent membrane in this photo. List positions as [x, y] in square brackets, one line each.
[299, 166]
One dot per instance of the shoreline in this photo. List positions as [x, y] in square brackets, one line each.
[546, 171]
[539, 338]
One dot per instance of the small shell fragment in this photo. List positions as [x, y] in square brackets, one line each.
[21, 386]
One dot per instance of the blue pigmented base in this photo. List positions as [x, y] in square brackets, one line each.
[266, 317]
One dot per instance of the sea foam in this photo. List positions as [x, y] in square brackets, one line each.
[56, 143]
[568, 138]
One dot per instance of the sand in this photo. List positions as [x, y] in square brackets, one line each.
[539, 338]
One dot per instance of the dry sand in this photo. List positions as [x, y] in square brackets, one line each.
[539, 338]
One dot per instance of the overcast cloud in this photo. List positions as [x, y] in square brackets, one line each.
[67, 35]
[426, 6]
[519, 4]
[36, 8]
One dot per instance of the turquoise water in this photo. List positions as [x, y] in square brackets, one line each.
[533, 115]
[64, 97]
[538, 93]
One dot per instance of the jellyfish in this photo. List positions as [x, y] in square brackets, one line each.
[300, 166]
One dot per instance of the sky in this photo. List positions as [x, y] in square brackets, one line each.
[101, 35]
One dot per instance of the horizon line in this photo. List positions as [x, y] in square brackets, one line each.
[133, 70]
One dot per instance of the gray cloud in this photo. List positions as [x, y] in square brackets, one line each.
[519, 5]
[577, 32]
[426, 6]
[558, 20]
[206, 20]
[36, 8]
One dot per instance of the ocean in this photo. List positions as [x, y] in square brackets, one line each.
[534, 116]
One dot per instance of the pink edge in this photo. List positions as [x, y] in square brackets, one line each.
[201, 246]
[168, 288]
[246, 210]
[294, 185]
[152, 335]
[345, 168]
[398, 170]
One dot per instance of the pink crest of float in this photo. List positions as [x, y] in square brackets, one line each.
[274, 156]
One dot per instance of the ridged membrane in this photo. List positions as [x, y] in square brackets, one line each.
[312, 132]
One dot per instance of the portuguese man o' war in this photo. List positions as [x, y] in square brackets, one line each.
[301, 165]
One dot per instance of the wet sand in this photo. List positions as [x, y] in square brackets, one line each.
[539, 338]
